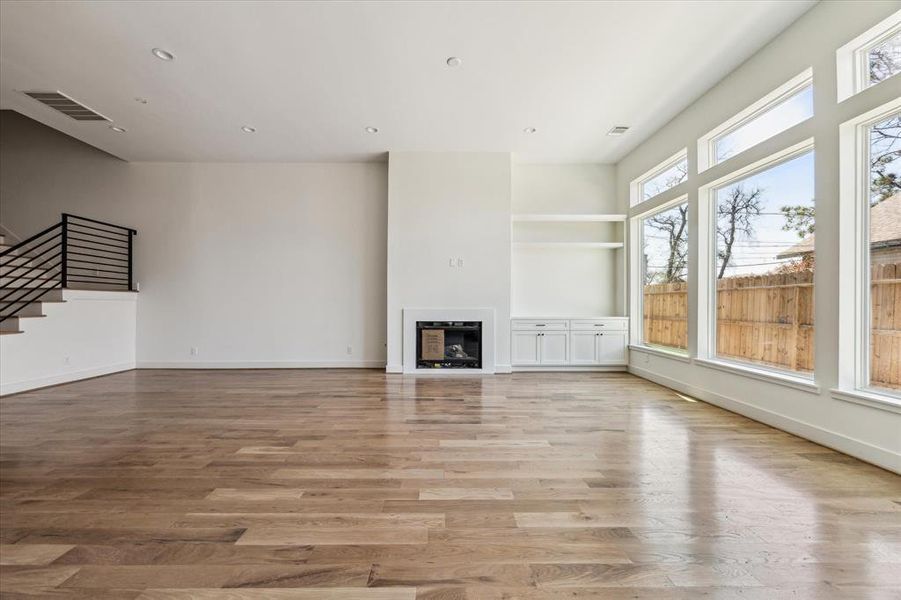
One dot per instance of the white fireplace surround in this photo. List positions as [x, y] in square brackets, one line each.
[485, 315]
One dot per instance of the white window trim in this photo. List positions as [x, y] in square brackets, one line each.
[681, 356]
[636, 186]
[852, 59]
[868, 399]
[761, 372]
[707, 142]
[854, 257]
[706, 353]
[636, 297]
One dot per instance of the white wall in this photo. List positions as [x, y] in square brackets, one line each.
[90, 334]
[443, 205]
[869, 433]
[568, 282]
[252, 264]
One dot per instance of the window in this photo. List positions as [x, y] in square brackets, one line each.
[779, 110]
[882, 250]
[664, 273]
[763, 265]
[870, 58]
[884, 59]
[664, 176]
[776, 119]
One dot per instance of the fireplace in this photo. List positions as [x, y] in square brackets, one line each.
[470, 328]
[448, 344]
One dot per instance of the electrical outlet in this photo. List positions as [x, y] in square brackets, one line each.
[350, 350]
[460, 262]
[451, 262]
[67, 360]
[194, 351]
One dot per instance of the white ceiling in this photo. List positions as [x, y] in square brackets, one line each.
[310, 76]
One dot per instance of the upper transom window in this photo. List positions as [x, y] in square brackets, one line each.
[784, 107]
[870, 58]
[664, 176]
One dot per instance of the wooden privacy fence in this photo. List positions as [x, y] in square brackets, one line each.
[769, 319]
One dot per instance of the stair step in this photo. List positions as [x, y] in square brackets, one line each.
[49, 295]
[33, 309]
[10, 324]
[12, 261]
[15, 283]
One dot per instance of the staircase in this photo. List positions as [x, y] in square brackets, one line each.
[76, 253]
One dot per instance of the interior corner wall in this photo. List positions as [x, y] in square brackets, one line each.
[444, 205]
[254, 265]
[872, 434]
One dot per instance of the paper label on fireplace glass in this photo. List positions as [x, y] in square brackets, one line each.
[432, 344]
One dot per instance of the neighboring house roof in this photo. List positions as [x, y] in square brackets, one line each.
[885, 229]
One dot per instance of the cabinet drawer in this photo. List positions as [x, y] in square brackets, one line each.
[598, 324]
[539, 325]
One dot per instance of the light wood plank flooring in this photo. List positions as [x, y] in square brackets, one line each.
[357, 485]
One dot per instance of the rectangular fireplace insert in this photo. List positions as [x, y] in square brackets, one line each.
[448, 344]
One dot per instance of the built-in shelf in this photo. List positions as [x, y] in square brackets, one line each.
[569, 218]
[599, 245]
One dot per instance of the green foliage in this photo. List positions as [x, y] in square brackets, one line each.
[800, 219]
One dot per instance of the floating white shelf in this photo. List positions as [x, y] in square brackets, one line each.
[599, 245]
[571, 218]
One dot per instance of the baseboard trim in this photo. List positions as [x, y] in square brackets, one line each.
[17, 387]
[572, 369]
[262, 364]
[867, 452]
[397, 369]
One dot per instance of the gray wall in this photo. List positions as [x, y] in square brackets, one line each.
[252, 264]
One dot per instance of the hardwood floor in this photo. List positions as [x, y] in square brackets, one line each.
[358, 485]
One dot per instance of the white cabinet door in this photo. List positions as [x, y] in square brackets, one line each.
[583, 348]
[525, 348]
[612, 348]
[553, 347]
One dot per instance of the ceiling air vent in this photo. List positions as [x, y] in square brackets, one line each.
[67, 106]
[618, 130]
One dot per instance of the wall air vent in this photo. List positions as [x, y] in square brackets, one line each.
[67, 106]
[618, 130]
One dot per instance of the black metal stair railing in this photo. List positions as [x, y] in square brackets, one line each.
[76, 252]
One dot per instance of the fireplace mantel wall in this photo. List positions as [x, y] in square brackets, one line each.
[444, 206]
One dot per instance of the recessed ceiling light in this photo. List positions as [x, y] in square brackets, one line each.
[618, 130]
[529, 130]
[249, 129]
[117, 129]
[372, 130]
[162, 54]
[454, 61]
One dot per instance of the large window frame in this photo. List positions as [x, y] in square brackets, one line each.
[636, 235]
[854, 261]
[706, 275]
[852, 60]
[707, 143]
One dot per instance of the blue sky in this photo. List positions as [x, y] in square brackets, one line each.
[788, 184]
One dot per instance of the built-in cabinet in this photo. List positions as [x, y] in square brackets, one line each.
[598, 342]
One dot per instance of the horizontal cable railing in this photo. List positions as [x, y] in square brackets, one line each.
[76, 252]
